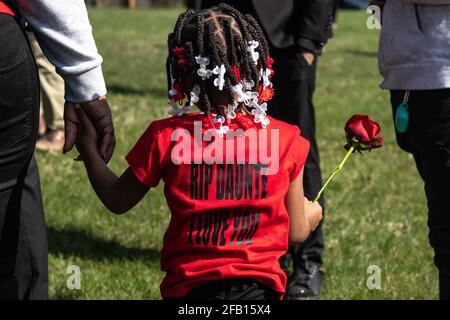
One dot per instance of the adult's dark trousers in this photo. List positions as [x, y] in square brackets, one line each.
[294, 83]
[23, 240]
[428, 140]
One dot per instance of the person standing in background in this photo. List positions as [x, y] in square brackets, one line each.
[297, 32]
[414, 60]
[51, 122]
[337, 4]
[64, 33]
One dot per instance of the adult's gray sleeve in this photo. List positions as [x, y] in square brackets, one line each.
[64, 33]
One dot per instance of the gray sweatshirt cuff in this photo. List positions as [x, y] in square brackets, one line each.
[64, 33]
[86, 86]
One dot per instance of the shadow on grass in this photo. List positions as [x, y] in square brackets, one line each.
[67, 295]
[120, 89]
[362, 53]
[79, 243]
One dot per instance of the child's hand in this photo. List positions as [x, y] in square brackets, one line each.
[313, 212]
[87, 136]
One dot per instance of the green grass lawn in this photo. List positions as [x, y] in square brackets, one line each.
[376, 208]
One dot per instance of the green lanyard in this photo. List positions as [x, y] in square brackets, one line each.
[402, 115]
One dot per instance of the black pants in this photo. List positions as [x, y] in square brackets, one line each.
[428, 140]
[231, 289]
[23, 242]
[294, 82]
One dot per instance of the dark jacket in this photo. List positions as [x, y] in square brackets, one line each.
[303, 23]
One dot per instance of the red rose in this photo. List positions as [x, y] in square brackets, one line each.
[265, 93]
[362, 133]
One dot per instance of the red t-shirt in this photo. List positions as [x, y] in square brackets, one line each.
[5, 9]
[227, 220]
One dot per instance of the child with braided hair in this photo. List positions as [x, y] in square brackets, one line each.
[232, 174]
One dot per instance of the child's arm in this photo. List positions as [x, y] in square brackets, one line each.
[304, 216]
[118, 194]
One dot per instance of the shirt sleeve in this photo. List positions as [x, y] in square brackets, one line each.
[64, 33]
[299, 153]
[145, 159]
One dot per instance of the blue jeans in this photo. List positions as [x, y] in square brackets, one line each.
[428, 140]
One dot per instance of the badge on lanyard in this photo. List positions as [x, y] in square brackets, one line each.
[402, 115]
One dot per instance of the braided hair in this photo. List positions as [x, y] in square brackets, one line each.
[221, 34]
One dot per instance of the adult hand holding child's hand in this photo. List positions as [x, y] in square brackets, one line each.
[99, 114]
[87, 139]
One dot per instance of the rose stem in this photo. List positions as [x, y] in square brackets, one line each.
[335, 172]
